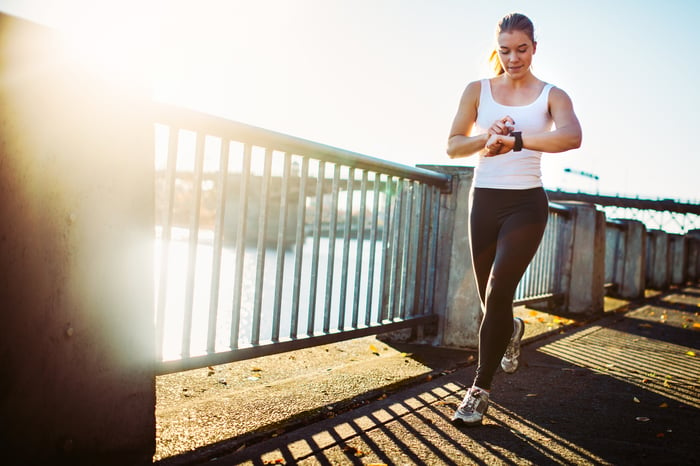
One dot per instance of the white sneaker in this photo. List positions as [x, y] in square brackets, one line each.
[472, 409]
[509, 362]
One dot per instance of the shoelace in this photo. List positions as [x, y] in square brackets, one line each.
[510, 350]
[470, 402]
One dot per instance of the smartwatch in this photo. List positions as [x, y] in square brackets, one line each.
[518, 146]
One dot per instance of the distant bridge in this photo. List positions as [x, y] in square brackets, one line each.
[666, 214]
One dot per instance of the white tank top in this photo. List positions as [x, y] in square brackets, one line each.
[512, 170]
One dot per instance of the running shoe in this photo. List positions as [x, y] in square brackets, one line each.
[509, 362]
[472, 409]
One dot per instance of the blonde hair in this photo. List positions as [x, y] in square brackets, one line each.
[509, 23]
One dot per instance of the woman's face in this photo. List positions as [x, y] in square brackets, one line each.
[515, 50]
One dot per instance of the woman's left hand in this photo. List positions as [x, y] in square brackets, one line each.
[498, 144]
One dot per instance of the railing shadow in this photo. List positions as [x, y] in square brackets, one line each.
[596, 395]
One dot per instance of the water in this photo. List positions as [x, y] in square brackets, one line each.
[175, 295]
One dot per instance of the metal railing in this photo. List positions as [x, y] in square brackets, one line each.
[268, 243]
[546, 278]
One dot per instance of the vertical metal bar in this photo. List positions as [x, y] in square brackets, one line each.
[346, 249]
[372, 249]
[218, 245]
[360, 250]
[165, 241]
[241, 232]
[432, 250]
[281, 240]
[394, 293]
[262, 240]
[318, 212]
[412, 277]
[299, 249]
[422, 255]
[409, 262]
[193, 243]
[386, 244]
[331, 249]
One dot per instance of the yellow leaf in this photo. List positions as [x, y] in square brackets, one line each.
[696, 325]
[533, 313]
[691, 353]
[373, 349]
[663, 405]
[666, 384]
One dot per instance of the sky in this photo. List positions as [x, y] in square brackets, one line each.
[384, 77]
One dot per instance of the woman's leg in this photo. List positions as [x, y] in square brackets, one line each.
[522, 218]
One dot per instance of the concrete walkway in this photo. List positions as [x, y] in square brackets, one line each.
[624, 389]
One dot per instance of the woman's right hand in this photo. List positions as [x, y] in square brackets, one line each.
[501, 127]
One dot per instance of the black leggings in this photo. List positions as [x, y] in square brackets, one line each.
[505, 229]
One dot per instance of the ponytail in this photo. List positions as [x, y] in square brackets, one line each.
[496, 63]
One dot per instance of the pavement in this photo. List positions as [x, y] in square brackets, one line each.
[621, 389]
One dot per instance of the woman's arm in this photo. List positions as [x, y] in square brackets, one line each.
[460, 143]
[566, 135]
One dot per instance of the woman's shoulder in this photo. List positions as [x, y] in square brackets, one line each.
[557, 93]
[472, 93]
[474, 86]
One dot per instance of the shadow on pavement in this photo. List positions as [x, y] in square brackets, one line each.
[624, 390]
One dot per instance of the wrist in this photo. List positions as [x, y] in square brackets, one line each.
[518, 141]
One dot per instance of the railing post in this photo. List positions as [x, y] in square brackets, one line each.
[657, 272]
[76, 242]
[587, 280]
[456, 297]
[633, 281]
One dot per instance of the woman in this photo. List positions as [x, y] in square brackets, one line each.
[506, 121]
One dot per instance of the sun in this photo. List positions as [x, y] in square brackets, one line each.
[117, 39]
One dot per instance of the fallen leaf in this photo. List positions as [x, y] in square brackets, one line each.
[533, 313]
[691, 353]
[660, 435]
[354, 450]
[531, 394]
[663, 405]
[373, 349]
[696, 324]
[666, 384]
[643, 419]
[636, 400]
[275, 461]
[646, 325]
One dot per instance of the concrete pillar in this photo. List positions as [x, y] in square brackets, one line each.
[456, 293]
[615, 247]
[657, 272]
[76, 283]
[587, 282]
[633, 280]
[677, 257]
[693, 261]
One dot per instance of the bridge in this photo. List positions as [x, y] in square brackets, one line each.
[263, 243]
